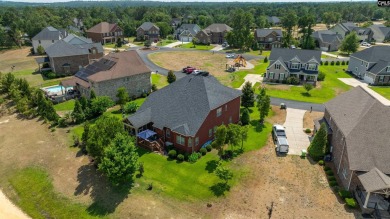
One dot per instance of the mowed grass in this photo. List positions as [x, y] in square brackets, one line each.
[382, 90]
[165, 42]
[197, 47]
[65, 106]
[159, 80]
[325, 90]
[236, 79]
[35, 79]
[36, 196]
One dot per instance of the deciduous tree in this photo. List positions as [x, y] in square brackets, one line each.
[263, 104]
[220, 138]
[123, 96]
[224, 174]
[289, 21]
[350, 44]
[78, 113]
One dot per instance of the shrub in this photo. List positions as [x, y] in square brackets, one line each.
[347, 62]
[321, 63]
[327, 168]
[186, 156]
[130, 107]
[193, 157]
[180, 157]
[266, 59]
[337, 62]
[143, 95]
[332, 63]
[329, 173]
[209, 148]
[308, 130]
[170, 37]
[292, 80]
[333, 183]
[40, 50]
[343, 62]
[321, 76]
[172, 154]
[62, 122]
[321, 162]
[203, 151]
[154, 87]
[345, 194]
[350, 202]
[331, 178]
[326, 63]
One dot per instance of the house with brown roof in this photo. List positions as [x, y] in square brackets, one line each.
[105, 33]
[358, 132]
[269, 38]
[215, 34]
[115, 70]
[148, 31]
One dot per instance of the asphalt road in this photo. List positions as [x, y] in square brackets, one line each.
[298, 104]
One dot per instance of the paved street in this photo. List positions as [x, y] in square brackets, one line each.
[296, 138]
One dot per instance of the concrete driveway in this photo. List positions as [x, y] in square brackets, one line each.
[171, 45]
[217, 48]
[253, 78]
[296, 138]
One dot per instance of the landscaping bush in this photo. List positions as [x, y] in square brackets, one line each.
[329, 173]
[308, 131]
[154, 87]
[350, 202]
[347, 62]
[321, 162]
[209, 148]
[337, 62]
[292, 80]
[343, 62]
[266, 59]
[326, 63]
[186, 156]
[345, 194]
[130, 107]
[331, 178]
[333, 183]
[193, 157]
[327, 168]
[321, 63]
[332, 63]
[172, 154]
[170, 147]
[62, 122]
[203, 151]
[180, 157]
[321, 76]
[170, 37]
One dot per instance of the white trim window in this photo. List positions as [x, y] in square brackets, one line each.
[388, 69]
[281, 76]
[312, 67]
[356, 69]
[362, 62]
[168, 133]
[196, 141]
[295, 65]
[180, 140]
[381, 78]
[219, 112]
[277, 66]
[271, 75]
[190, 142]
[230, 119]
[210, 132]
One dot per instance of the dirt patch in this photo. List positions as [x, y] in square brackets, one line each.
[320, 27]
[176, 61]
[309, 117]
[279, 115]
[20, 58]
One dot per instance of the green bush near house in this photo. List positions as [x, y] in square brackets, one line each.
[193, 157]
[172, 154]
[180, 157]
[333, 183]
[337, 62]
[350, 202]
[321, 162]
[329, 173]
[332, 63]
[203, 151]
[345, 194]
[326, 63]
[209, 148]
[308, 131]
[327, 168]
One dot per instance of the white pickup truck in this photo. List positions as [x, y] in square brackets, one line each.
[280, 139]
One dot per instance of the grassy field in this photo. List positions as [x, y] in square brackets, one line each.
[198, 47]
[65, 106]
[36, 79]
[325, 90]
[382, 90]
[36, 196]
[159, 80]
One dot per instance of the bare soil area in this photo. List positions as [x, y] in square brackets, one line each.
[297, 188]
[309, 117]
[20, 58]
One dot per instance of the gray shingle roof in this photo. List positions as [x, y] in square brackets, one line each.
[362, 30]
[193, 29]
[288, 54]
[265, 32]
[49, 33]
[76, 39]
[147, 26]
[327, 36]
[373, 54]
[380, 32]
[348, 26]
[218, 28]
[365, 124]
[61, 49]
[374, 180]
[273, 19]
[184, 105]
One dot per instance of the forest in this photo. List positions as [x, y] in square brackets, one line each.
[18, 19]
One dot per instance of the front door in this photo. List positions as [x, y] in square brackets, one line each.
[301, 77]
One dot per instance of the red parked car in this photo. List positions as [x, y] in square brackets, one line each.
[188, 69]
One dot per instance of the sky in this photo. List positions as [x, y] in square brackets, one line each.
[49, 1]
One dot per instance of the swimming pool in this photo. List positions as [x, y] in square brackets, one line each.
[57, 89]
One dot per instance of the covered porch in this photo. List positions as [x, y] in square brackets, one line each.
[43, 64]
[305, 77]
[373, 193]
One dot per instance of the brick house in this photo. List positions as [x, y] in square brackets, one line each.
[269, 38]
[299, 63]
[148, 31]
[67, 56]
[372, 65]
[104, 32]
[215, 34]
[47, 37]
[186, 113]
[358, 132]
[186, 32]
[115, 70]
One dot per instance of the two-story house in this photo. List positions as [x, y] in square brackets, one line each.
[105, 33]
[215, 34]
[148, 31]
[106, 75]
[186, 113]
[47, 37]
[358, 131]
[381, 33]
[299, 63]
[327, 40]
[186, 32]
[372, 65]
[269, 38]
[364, 34]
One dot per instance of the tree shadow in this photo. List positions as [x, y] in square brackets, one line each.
[305, 94]
[258, 125]
[119, 111]
[219, 189]
[142, 151]
[211, 165]
[105, 196]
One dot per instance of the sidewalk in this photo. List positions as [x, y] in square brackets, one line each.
[9, 210]
[332, 55]
[171, 45]
[217, 48]
[253, 78]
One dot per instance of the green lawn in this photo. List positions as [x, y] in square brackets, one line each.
[237, 78]
[324, 92]
[165, 42]
[382, 90]
[36, 79]
[36, 196]
[198, 47]
[159, 80]
[65, 106]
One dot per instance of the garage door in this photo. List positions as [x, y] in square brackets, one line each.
[186, 39]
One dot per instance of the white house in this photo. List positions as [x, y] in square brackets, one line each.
[47, 37]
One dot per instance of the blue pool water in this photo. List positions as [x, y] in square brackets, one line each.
[56, 89]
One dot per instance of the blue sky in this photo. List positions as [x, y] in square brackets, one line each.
[47, 1]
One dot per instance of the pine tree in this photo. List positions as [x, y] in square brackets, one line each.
[317, 146]
[245, 118]
[78, 113]
[171, 77]
[248, 95]
[263, 104]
